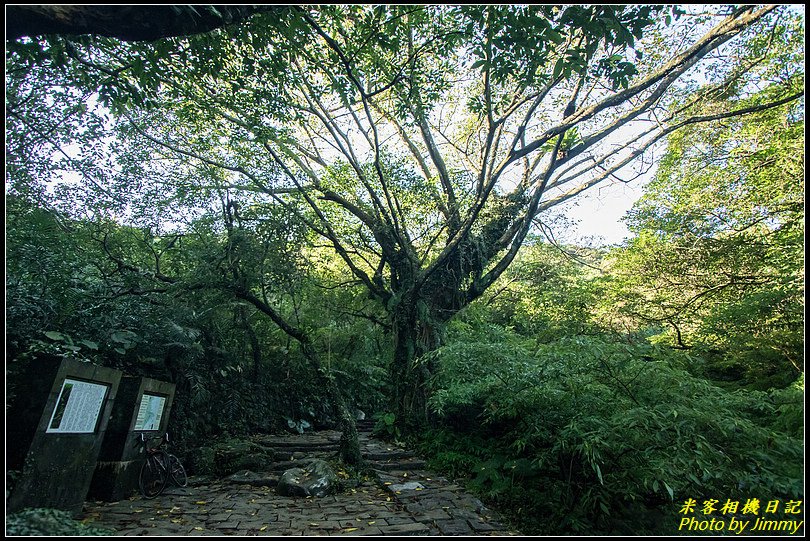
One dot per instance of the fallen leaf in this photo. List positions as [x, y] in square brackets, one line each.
[372, 522]
[201, 502]
[199, 528]
[314, 524]
[137, 510]
[388, 483]
[350, 529]
[263, 528]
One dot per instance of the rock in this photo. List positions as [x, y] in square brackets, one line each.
[361, 415]
[292, 483]
[317, 479]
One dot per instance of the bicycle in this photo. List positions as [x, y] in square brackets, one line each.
[160, 466]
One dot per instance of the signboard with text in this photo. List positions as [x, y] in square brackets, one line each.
[150, 412]
[77, 408]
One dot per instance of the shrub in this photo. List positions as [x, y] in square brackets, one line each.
[589, 435]
[51, 522]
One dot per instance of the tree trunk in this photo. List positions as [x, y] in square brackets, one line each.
[349, 441]
[414, 336]
[349, 449]
[255, 347]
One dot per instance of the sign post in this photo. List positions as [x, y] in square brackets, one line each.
[142, 406]
[54, 430]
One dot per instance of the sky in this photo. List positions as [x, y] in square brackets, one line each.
[598, 213]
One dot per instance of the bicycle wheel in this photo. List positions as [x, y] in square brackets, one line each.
[152, 480]
[177, 471]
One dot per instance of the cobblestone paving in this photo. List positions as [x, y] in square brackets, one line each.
[406, 500]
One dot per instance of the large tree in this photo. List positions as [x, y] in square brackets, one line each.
[420, 143]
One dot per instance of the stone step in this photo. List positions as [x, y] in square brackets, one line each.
[285, 465]
[253, 479]
[286, 449]
[387, 455]
[403, 466]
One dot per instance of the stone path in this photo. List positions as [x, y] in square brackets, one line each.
[406, 500]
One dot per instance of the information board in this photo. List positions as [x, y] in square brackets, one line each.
[150, 412]
[78, 407]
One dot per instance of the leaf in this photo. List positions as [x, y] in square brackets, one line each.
[350, 530]
[90, 344]
[263, 528]
[54, 335]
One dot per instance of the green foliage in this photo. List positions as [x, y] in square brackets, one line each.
[592, 434]
[545, 293]
[386, 427]
[50, 522]
[718, 260]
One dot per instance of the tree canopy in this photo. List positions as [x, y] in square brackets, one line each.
[419, 142]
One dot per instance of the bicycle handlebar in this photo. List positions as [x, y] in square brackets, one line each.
[163, 439]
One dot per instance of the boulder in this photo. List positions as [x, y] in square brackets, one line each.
[317, 479]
